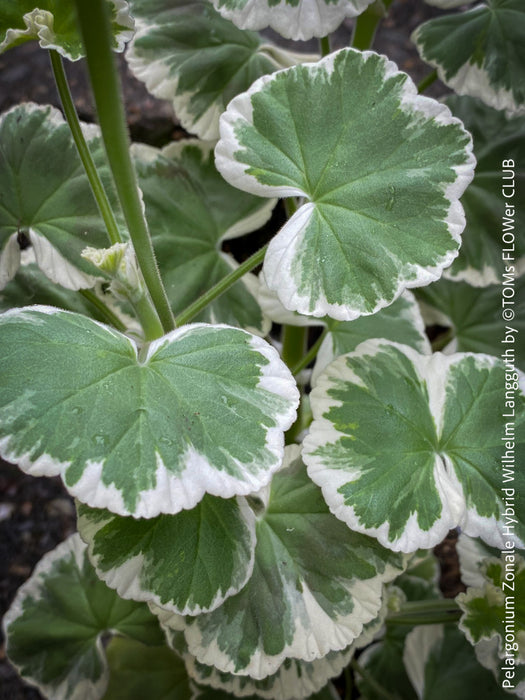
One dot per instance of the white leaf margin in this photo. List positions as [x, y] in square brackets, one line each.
[173, 493]
[310, 18]
[282, 248]
[39, 25]
[432, 370]
[84, 688]
[125, 579]
[470, 79]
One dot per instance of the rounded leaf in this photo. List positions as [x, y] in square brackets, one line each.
[203, 411]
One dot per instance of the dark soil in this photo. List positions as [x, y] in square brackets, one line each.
[36, 514]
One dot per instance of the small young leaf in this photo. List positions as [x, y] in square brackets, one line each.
[314, 585]
[191, 210]
[46, 197]
[53, 24]
[293, 19]
[474, 314]
[479, 52]
[186, 52]
[55, 625]
[203, 412]
[492, 238]
[381, 169]
[419, 438]
[186, 563]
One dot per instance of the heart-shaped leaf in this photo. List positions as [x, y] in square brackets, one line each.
[186, 52]
[45, 196]
[407, 446]
[187, 563]
[293, 19]
[381, 169]
[191, 210]
[479, 52]
[202, 411]
[53, 24]
[315, 583]
[56, 623]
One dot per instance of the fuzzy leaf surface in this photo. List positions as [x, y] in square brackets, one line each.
[380, 167]
[56, 623]
[141, 436]
[407, 446]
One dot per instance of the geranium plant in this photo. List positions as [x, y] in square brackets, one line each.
[257, 511]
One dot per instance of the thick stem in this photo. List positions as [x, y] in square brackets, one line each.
[426, 612]
[96, 33]
[427, 81]
[367, 23]
[221, 287]
[82, 148]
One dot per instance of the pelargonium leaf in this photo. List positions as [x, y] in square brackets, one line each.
[493, 238]
[191, 210]
[471, 554]
[53, 24]
[293, 19]
[55, 625]
[380, 167]
[407, 446]
[500, 601]
[45, 196]
[314, 585]
[479, 52]
[400, 322]
[203, 411]
[137, 671]
[187, 563]
[441, 663]
[186, 52]
[474, 316]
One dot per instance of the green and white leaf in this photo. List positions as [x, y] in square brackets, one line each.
[493, 237]
[479, 52]
[187, 53]
[294, 679]
[53, 24]
[137, 671]
[293, 19]
[56, 624]
[45, 195]
[474, 316]
[377, 219]
[273, 308]
[441, 663]
[191, 211]
[471, 553]
[497, 608]
[400, 322]
[314, 585]
[202, 411]
[506, 671]
[406, 446]
[187, 563]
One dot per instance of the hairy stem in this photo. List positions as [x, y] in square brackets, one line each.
[82, 148]
[103, 309]
[96, 33]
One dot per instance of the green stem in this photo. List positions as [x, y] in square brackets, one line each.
[96, 33]
[426, 612]
[427, 80]
[349, 683]
[311, 354]
[222, 286]
[103, 309]
[371, 681]
[367, 23]
[324, 45]
[82, 148]
[294, 345]
[442, 340]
